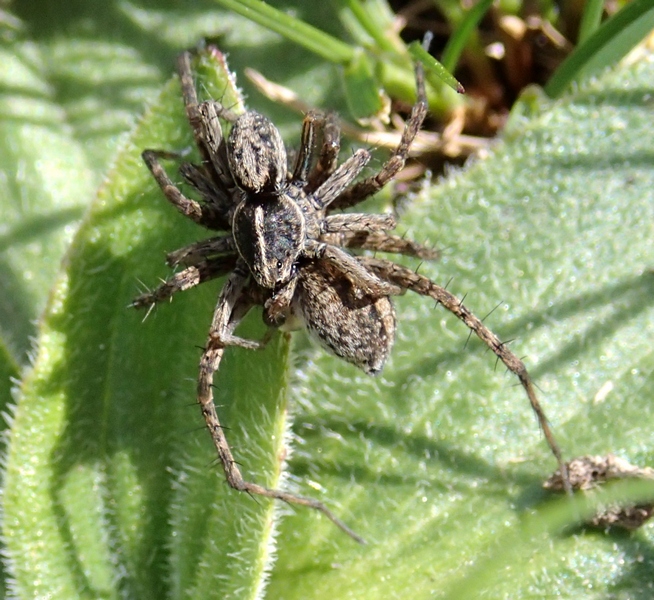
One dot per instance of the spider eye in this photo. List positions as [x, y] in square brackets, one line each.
[279, 264]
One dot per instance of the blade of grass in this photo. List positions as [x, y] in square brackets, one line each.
[613, 40]
[462, 33]
[311, 38]
[433, 67]
[591, 19]
[372, 21]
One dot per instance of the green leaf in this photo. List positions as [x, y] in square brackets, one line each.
[101, 439]
[439, 462]
[38, 152]
[362, 92]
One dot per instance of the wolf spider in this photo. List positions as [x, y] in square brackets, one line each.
[286, 250]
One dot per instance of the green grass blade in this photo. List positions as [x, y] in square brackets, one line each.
[375, 25]
[434, 70]
[311, 38]
[462, 33]
[590, 20]
[617, 36]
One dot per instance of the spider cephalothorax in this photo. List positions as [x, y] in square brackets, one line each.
[286, 249]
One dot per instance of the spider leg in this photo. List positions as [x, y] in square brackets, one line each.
[329, 149]
[331, 145]
[328, 159]
[230, 309]
[367, 283]
[408, 279]
[371, 185]
[193, 107]
[350, 222]
[212, 140]
[180, 282]
[192, 209]
[214, 184]
[381, 242]
[338, 181]
[313, 120]
[205, 123]
[197, 253]
[190, 95]
[216, 190]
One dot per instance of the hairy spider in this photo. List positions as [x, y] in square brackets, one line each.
[286, 251]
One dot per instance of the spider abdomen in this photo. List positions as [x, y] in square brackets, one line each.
[358, 329]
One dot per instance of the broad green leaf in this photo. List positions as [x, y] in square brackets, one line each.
[103, 442]
[439, 462]
[73, 81]
[38, 153]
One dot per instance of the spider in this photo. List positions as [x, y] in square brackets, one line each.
[285, 248]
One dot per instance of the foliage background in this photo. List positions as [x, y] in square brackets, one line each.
[438, 462]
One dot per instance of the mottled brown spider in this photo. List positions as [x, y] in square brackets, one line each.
[285, 250]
